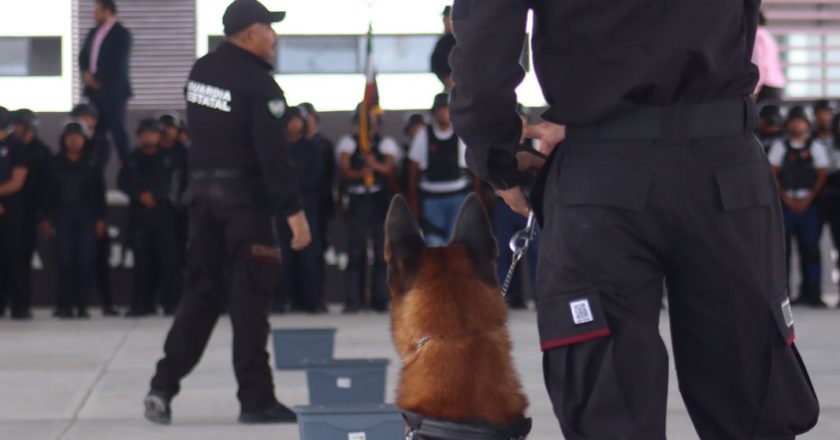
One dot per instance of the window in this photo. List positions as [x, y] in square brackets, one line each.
[319, 54]
[30, 56]
[400, 53]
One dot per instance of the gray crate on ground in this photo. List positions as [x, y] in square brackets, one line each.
[347, 381]
[295, 348]
[350, 422]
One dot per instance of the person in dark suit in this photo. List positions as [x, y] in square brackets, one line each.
[104, 61]
[440, 56]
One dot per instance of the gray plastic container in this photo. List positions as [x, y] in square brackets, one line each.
[347, 381]
[295, 348]
[350, 422]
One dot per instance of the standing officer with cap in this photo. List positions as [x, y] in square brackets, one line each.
[241, 175]
[658, 176]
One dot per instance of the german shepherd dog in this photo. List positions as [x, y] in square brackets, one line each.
[449, 324]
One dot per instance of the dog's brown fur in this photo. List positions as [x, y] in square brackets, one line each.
[449, 295]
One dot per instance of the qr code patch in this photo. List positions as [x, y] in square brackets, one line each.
[581, 311]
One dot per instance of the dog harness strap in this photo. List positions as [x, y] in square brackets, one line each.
[422, 428]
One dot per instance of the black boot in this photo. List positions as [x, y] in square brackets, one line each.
[278, 413]
[157, 407]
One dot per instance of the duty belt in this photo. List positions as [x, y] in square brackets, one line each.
[675, 122]
[219, 173]
[422, 428]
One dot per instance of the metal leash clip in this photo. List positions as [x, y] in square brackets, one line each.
[519, 246]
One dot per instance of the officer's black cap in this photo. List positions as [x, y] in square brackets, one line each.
[413, 120]
[823, 104]
[26, 118]
[148, 124]
[84, 110]
[243, 13]
[74, 126]
[169, 120]
[441, 100]
[5, 118]
[771, 115]
[308, 109]
[447, 10]
[798, 112]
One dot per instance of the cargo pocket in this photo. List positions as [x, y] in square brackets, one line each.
[604, 185]
[262, 264]
[744, 186]
[580, 369]
[790, 404]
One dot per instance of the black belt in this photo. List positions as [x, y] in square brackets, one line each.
[220, 173]
[422, 428]
[675, 122]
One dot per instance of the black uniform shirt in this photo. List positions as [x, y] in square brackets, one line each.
[147, 173]
[37, 156]
[73, 185]
[235, 112]
[11, 157]
[440, 56]
[594, 59]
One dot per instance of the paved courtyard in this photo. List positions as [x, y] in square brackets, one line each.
[84, 380]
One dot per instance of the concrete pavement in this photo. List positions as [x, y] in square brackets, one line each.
[84, 380]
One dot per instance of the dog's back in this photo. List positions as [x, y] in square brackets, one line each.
[450, 323]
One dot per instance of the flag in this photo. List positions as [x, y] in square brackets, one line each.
[370, 102]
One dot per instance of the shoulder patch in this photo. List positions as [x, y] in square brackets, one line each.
[277, 107]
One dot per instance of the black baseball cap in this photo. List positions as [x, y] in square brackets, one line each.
[84, 110]
[26, 118]
[447, 11]
[243, 13]
[798, 112]
[441, 100]
[74, 126]
[148, 124]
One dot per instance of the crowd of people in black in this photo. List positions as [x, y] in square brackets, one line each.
[62, 195]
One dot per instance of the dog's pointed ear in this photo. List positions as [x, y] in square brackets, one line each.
[403, 237]
[473, 229]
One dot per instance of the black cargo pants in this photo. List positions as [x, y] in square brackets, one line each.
[233, 259]
[685, 194]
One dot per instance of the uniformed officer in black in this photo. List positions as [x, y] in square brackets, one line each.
[176, 156]
[13, 172]
[771, 124]
[37, 156]
[440, 55]
[98, 150]
[240, 176]
[146, 178]
[656, 175]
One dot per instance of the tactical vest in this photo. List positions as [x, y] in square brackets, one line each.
[357, 162]
[442, 159]
[798, 171]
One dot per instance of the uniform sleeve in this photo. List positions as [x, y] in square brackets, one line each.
[345, 145]
[490, 36]
[776, 154]
[100, 204]
[18, 157]
[821, 158]
[390, 147]
[268, 132]
[418, 151]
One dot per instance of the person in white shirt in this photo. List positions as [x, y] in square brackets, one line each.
[800, 163]
[368, 200]
[438, 180]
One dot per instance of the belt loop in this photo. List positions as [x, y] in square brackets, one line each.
[750, 115]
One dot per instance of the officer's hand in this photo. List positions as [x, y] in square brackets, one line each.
[147, 199]
[301, 237]
[528, 162]
[101, 228]
[46, 228]
[549, 135]
[515, 198]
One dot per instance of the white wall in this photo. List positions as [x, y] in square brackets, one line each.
[36, 18]
[328, 17]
